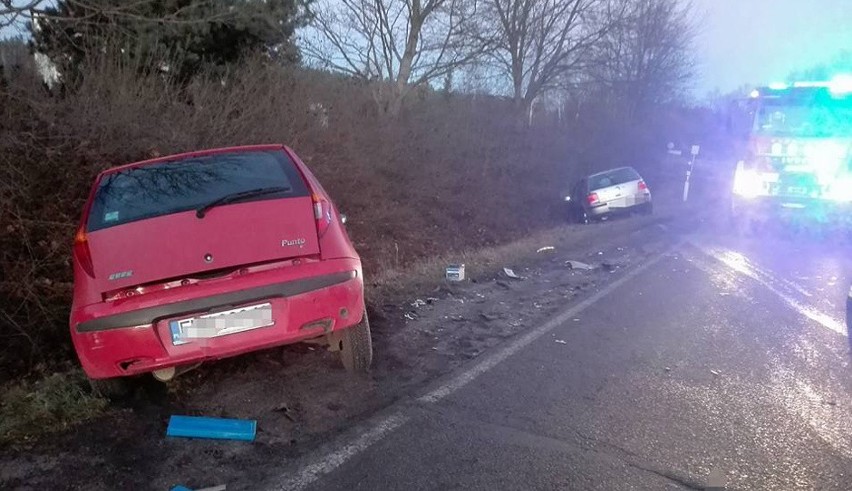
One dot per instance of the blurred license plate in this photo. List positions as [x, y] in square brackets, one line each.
[221, 323]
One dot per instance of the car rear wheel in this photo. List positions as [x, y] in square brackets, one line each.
[356, 347]
[112, 388]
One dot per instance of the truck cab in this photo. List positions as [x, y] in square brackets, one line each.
[797, 156]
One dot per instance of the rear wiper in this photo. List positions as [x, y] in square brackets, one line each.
[230, 198]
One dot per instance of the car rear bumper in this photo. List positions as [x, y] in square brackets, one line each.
[620, 206]
[134, 336]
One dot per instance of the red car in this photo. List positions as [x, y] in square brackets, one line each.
[207, 255]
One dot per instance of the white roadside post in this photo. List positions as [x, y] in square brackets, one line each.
[694, 152]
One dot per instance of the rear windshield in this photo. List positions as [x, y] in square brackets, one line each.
[612, 178]
[181, 185]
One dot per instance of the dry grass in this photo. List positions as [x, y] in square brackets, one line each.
[52, 404]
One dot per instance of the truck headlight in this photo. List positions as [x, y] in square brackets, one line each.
[747, 183]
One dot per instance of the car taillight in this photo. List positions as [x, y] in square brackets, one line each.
[81, 251]
[592, 198]
[643, 186]
[322, 213]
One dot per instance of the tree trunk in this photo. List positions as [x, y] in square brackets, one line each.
[406, 61]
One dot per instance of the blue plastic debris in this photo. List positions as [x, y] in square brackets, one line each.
[180, 487]
[216, 428]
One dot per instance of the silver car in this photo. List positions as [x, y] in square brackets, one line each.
[607, 193]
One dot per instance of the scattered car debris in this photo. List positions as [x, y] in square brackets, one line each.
[715, 372]
[560, 341]
[418, 303]
[579, 265]
[455, 272]
[213, 428]
[431, 300]
[410, 316]
[668, 369]
[546, 249]
[511, 274]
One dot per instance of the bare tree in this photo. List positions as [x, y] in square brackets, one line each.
[14, 12]
[646, 56]
[538, 42]
[394, 44]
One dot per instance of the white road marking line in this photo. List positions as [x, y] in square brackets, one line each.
[331, 461]
[326, 463]
[737, 262]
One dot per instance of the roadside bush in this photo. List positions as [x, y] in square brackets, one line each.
[454, 172]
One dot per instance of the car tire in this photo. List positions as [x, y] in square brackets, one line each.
[112, 388]
[356, 347]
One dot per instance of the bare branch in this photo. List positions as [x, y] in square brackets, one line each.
[647, 56]
[403, 42]
[537, 42]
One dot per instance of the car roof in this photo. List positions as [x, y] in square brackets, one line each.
[197, 153]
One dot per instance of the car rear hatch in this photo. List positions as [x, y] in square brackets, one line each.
[197, 217]
[619, 188]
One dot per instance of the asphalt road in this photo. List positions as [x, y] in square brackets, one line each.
[722, 362]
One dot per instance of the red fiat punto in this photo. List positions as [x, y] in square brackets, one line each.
[207, 255]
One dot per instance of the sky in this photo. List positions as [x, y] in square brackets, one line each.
[762, 41]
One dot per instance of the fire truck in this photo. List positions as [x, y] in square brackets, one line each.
[796, 156]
